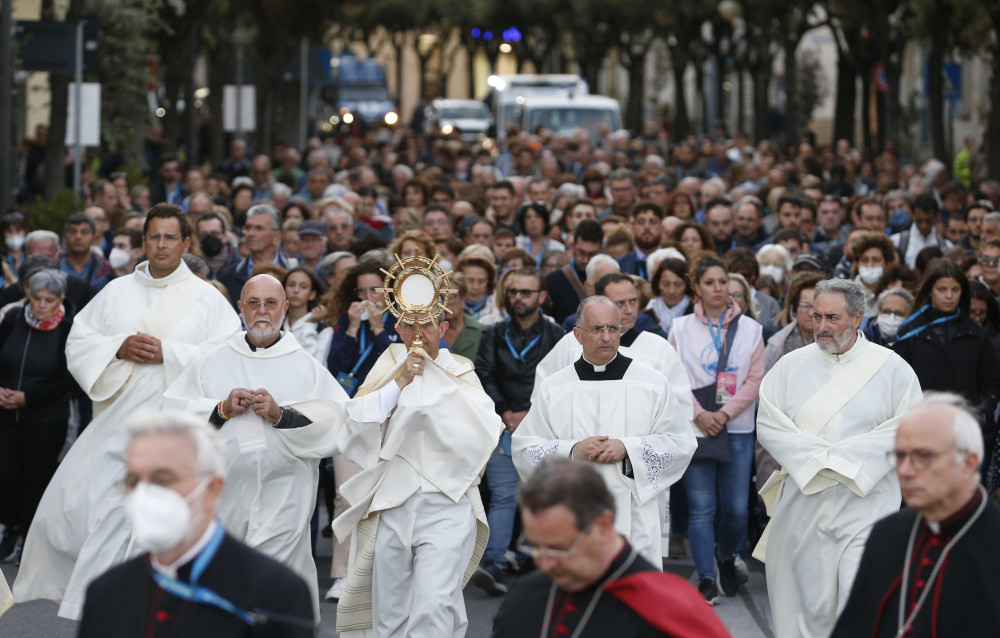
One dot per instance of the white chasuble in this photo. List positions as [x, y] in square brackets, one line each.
[829, 421]
[628, 401]
[79, 530]
[271, 473]
[644, 347]
[438, 438]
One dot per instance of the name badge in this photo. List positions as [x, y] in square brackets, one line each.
[347, 381]
[725, 387]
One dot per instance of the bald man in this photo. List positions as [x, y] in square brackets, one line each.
[278, 410]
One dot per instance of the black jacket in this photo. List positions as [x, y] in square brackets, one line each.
[34, 361]
[125, 601]
[509, 382]
[956, 356]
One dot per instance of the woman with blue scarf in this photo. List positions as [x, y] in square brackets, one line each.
[946, 348]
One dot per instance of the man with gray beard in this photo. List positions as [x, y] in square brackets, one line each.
[278, 411]
[828, 414]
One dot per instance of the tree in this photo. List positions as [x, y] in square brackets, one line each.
[993, 125]
[55, 149]
[679, 24]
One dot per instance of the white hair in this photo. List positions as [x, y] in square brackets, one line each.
[659, 255]
[404, 169]
[38, 235]
[965, 428]
[280, 190]
[210, 458]
[596, 261]
[778, 248]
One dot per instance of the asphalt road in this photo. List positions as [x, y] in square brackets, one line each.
[747, 615]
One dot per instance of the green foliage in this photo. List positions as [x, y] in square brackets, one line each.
[125, 45]
[811, 86]
[51, 214]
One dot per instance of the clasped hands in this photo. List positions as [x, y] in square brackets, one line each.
[240, 400]
[711, 423]
[600, 449]
[11, 399]
[141, 348]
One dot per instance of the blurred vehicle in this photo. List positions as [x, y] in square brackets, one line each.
[471, 118]
[359, 91]
[510, 91]
[562, 116]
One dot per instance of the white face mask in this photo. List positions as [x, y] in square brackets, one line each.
[777, 273]
[888, 324]
[161, 518]
[870, 274]
[118, 258]
[14, 242]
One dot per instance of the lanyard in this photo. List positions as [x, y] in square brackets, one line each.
[716, 332]
[916, 331]
[203, 595]
[365, 351]
[519, 356]
[640, 266]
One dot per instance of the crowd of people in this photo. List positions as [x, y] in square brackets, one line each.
[680, 284]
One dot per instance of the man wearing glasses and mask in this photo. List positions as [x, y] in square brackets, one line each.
[621, 415]
[126, 346]
[936, 556]
[590, 580]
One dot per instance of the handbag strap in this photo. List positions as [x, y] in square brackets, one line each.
[724, 355]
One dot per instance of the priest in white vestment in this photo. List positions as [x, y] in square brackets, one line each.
[828, 414]
[126, 346]
[638, 345]
[279, 411]
[422, 429]
[618, 413]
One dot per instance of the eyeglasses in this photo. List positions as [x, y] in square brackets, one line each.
[978, 313]
[556, 554]
[805, 306]
[253, 305]
[612, 330]
[989, 261]
[919, 459]
[520, 292]
[169, 238]
[895, 313]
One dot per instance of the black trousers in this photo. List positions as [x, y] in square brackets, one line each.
[29, 455]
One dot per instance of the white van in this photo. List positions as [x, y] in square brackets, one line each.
[562, 116]
[511, 90]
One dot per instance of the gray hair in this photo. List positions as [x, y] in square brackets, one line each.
[965, 426]
[270, 211]
[196, 264]
[899, 292]
[280, 190]
[210, 458]
[852, 291]
[38, 235]
[596, 261]
[589, 301]
[329, 263]
[992, 217]
[776, 248]
[50, 280]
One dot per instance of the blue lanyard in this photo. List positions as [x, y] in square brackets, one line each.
[519, 356]
[716, 332]
[916, 331]
[203, 595]
[365, 351]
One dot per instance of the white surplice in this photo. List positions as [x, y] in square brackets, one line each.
[640, 409]
[648, 348]
[6, 599]
[271, 473]
[441, 432]
[79, 530]
[841, 481]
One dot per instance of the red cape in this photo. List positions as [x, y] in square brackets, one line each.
[669, 603]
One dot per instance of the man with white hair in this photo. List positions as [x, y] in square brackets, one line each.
[941, 545]
[278, 410]
[133, 339]
[193, 578]
[828, 414]
[262, 232]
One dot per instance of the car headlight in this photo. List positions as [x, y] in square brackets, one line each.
[391, 118]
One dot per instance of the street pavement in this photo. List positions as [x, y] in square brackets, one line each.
[747, 615]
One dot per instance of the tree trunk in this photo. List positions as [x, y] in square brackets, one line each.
[760, 106]
[636, 90]
[174, 77]
[893, 112]
[55, 147]
[218, 59]
[935, 89]
[699, 74]
[866, 105]
[682, 125]
[791, 43]
[741, 125]
[847, 75]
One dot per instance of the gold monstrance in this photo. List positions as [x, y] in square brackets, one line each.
[416, 290]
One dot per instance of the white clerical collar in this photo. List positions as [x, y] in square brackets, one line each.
[171, 570]
[598, 368]
[934, 526]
